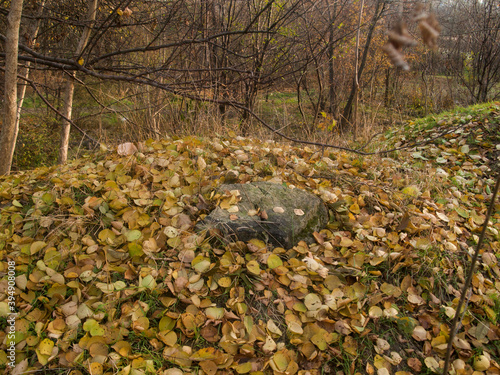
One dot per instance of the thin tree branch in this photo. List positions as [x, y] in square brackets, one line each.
[470, 273]
[35, 88]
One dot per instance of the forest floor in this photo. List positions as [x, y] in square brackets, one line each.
[111, 277]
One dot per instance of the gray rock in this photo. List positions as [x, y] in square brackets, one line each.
[284, 226]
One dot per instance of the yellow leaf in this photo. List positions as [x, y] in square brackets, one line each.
[201, 163]
[255, 245]
[209, 367]
[355, 209]
[319, 340]
[279, 362]
[96, 368]
[123, 348]
[141, 324]
[412, 191]
[168, 338]
[166, 324]
[43, 359]
[214, 313]
[312, 302]
[481, 363]
[4, 309]
[253, 267]
[224, 282]
[375, 312]
[80, 61]
[274, 261]
[46, 346]
[346, 242]
[350, 345]
[37, 246]
[244, 368]
[449, 311]
[299, 306]
[201, 264]
[205, 354]
[380, 362]
[273, 328]
[295, 327]
[432, 364]
[98, 349]
[492, 315]
[148, 282]
[419, 333]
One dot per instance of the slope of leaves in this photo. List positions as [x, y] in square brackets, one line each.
[113, 279]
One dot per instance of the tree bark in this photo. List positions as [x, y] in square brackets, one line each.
[332, 91]
[356, 69]
[69, 87]
[348, 109]
[32, 32]
[10, 128]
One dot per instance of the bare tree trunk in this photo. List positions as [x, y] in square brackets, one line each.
[32, 33]
[10, 126]
[356, 68]
[69, 87]
[332, 89]
[348, 109]
[332, 92]
[387, 87]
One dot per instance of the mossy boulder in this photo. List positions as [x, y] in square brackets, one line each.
[271, 212]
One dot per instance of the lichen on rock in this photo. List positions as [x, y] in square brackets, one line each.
[271, 212]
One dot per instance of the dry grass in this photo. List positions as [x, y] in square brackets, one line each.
[127, 113]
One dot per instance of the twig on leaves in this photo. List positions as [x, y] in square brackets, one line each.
[468, 280]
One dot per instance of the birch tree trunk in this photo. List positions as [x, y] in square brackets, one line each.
[10, 127]
[32, 32]
[69, 87]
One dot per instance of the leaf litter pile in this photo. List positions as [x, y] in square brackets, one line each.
[112, 278]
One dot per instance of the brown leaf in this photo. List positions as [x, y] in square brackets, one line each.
[399, 36]
[405, 220]
[428, 25]
[396, 57]
[210, 333]
[415, 365]
[209, 367]
[126, 149]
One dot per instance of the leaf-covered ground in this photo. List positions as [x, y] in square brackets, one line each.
[112, 278]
